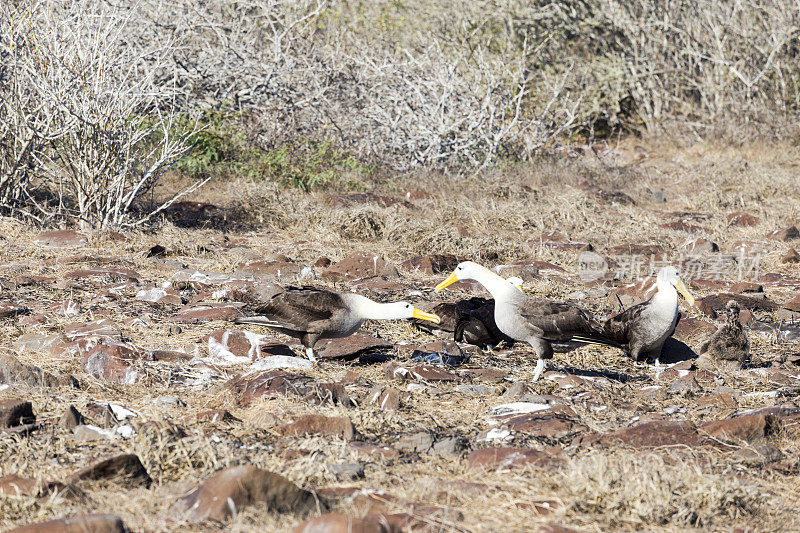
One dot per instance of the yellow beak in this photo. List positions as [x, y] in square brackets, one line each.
[684, 292]
[422, 315]
[446, 283]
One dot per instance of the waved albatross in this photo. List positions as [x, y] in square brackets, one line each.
[643, 328]
[310, 314]
[526, 319]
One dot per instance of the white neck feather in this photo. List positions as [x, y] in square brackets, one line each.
[666, 297]
[369, 309]
[501, 289]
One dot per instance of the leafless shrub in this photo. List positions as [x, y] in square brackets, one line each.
[116, 128]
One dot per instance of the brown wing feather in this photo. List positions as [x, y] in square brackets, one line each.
[298, 309]
[618, 327]
[558, 321]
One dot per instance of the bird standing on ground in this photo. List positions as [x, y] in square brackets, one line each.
[526, 319]
[311, 314]
[730, 342]
[643, 328]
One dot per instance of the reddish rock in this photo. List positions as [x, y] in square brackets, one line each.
[319, 425]
[15, 413]
[742, 219]
[793, 304]
[9, 309]
[653, 434]
[743, 287]
[430, 264]
[526, 272]
[14, 485]
[91, 523]
[113, 274]
[14, 372]
[349, 347]
[715, 303]
[691, 327]
[125, 469]
[432, 373]
[212, 416]
[788, 233]
[791, 256]
[158, 295]
[721, 400]
[61, 238]
[322, 262]
[359, 265]
[544, 425]
[237, 488]
[231, 342]
[276, 270]
[485, 375]
[496, 458]
[373, 451]
[636, 249]
[384, 398]
[251, 387]
[342, 523]
[109, 359]
[747, 428]
[700, 245]
[97, 328]
[680, 225]
[204, 312]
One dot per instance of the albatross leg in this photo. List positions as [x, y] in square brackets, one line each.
[310, 355]
[538, 370]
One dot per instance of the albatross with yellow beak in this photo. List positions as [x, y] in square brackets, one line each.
[526, 319]
[645, 327]
[311, 314]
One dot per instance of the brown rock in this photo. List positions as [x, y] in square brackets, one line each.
[203, 312]
[61, 238]
[212, 416]
[543, 425]
[359, 265]
[97, 328]
[715, 303]
[9, 309]
[653, 434]
[496, 458]
[109, 359]
[71, 418]
[793, 304]
[157, 295]
[112, 274]
[91, 523]
[349, 347]
[244, 344]
[342, 523]
[791, 256]
[747, 428]
[432, 373]
[269, 383]
[430, 264]
[691, 327]
[322, 262]
[742, 219]
[15, 413]
[784, 234]
[700, 245]
[274, 270]
[14, 372]
[239, 487]
[384, 398]
[14, 485]
[680, 225]
[125, 469]
[369, 450]
[319, 425]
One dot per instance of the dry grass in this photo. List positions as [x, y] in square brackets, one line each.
[497, 217]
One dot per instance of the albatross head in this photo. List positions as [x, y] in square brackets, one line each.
[464, 270]
[670, 277]
[499, 287]
[398, 310]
